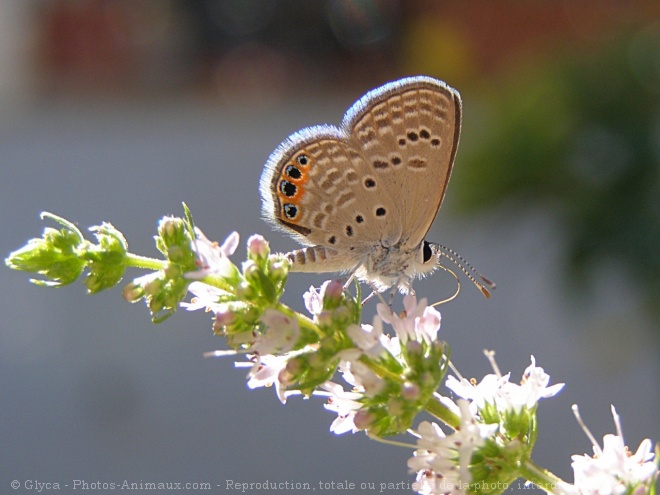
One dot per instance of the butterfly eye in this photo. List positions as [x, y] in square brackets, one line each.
[427, 252]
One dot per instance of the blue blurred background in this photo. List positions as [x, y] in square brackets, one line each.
[120, 110]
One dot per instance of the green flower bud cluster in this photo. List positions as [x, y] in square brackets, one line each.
[61, 256]
[238, 298]
[164, 289]
[421, 368]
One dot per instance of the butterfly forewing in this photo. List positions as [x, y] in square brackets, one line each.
[409, 131]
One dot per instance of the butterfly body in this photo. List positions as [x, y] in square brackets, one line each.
[363, 196]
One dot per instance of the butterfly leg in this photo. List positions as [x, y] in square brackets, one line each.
[392, 292]
[349, 282]
[369, 297]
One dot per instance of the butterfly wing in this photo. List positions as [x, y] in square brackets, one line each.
[378, 180]
[408, 133]
[310, 188]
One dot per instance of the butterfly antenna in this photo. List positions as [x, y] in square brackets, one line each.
[458, 288]
[480, 281]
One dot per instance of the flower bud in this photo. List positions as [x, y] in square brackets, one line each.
[257, 248]
[94, 283]
[173, 271]
[153, 286]
[288, 375]
[363, 419]
[55, 255]
[171, 230]
[175, 240]
[279, 269]
[332, 293]
[410, 391]
[223, 318]
[414, 348]
[324, 319]
[251, 271]
[133, 292]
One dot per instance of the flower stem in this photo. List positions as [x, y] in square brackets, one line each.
[381, 371]
[440, 411]
[542, 478]
[302, 320]
[138, 261]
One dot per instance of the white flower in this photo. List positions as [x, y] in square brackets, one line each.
[265, 373]
[505, 395]
[432, 447]
[428, 324]
[281, 334]
[613, 469]
[345, 404]
[431, 483]
[361, 377]
[314, 298]
[205, 297]
[533, 387]
[370, 339]
[419, 321]
[480, 394]
[447, 458]
[211, 258]
[403, 326]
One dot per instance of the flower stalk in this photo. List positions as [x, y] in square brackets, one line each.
[488, 428]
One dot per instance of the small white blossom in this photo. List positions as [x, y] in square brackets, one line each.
[505, 395]
[205, 297]
[361, 377]
[446, 459]
[431, 483]
[345, 404]
[428, 324]
[370, 339]
[281, 334]
[533, 387]
[419, 321]
[403, 326]
[211, 258]
[614, 469]
[314, 300]
[480, 394]
[265, 373]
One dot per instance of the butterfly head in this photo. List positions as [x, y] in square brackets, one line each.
[386, 267]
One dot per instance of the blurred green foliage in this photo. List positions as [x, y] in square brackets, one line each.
[580, 135]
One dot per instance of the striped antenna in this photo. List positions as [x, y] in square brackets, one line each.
[481, 282]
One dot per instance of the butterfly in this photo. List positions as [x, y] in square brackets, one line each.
[363, 196]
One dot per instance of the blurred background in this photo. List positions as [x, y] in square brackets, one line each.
[119, 110]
